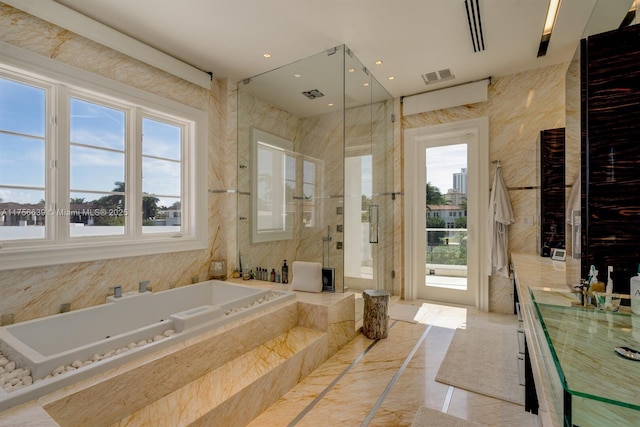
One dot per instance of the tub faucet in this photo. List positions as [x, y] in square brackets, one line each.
[117, 291]
[144, 286]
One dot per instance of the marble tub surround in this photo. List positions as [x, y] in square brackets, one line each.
[119, 392]
[301, 335]
[331, 312]
[215, 398]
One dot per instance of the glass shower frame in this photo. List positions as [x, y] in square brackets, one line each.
[330, 107]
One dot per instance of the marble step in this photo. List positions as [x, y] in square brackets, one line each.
[241, 389]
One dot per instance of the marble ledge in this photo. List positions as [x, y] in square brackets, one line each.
[332, 312]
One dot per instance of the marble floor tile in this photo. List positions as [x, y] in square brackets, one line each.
[384, 383]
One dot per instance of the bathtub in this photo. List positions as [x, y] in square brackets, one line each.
[97, 337]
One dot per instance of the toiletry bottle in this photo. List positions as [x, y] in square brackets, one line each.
[285, 272]
[273, 274]
[634, 285]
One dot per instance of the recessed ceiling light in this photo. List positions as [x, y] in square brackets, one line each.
[266, 55]
[296, 75]
[391, 78]
[365, 84]
[378, 62]
[351, 70]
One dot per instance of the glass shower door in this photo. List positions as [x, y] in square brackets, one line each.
[368, 213]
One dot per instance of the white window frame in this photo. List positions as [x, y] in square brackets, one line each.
[260, 137]
[57, 247]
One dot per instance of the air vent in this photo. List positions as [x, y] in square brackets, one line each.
[313, 94]
[438, 76]
[475, 24]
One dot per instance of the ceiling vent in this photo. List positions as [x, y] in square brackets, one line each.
[438, 76]
[475, 24]
[313, 94]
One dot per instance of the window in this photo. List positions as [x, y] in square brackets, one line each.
[92, 169]
[273, 187]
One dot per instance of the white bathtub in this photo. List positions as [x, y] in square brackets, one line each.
[41, 345]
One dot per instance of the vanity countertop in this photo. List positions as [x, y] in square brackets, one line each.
[572, 350]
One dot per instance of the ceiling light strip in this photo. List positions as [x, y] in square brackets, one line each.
[82, 25]
[549, 23]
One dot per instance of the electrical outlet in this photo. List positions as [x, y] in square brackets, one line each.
[339, 210]
[339, 228]
[338, 245]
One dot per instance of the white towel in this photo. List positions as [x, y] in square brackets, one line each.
[500, 216]
[306, 276]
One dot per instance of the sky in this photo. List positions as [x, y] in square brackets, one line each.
[97, 157]
[442, 162]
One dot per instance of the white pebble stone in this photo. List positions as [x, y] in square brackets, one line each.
[15, 381]
[3, 361]
[58, 370]
[117, 352]
[69, 368]
[1, 370]
[48, 377]
[96, 357]
[109, 353]
[123, 349]
[11, 375]
[28, 380]
[77, 364]
[157, 338]
[7, 386]
[141, 343]
[10, 366]
[87, 363]
[25, 373]
[169, 332]
[131, 345]
[38, 380]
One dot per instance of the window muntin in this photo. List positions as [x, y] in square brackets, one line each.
[54, 202]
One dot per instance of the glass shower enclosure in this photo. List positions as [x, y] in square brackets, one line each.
[315, 170]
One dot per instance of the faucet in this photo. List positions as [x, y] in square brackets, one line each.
[144, 286]
[117, 291]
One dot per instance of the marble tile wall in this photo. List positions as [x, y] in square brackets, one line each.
[519, 106]
[36, 292]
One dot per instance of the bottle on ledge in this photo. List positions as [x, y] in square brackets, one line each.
[285, 272]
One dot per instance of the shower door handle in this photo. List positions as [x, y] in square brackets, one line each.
[374, 213]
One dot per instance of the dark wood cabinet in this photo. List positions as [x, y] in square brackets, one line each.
[552, 190]
[610, 86]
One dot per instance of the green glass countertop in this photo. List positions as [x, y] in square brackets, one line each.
[582, 343]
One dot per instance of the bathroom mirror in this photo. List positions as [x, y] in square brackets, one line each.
[606, 15]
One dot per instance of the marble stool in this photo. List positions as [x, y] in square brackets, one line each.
[375, 322]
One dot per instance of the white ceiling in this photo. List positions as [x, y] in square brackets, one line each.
[411, 37]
